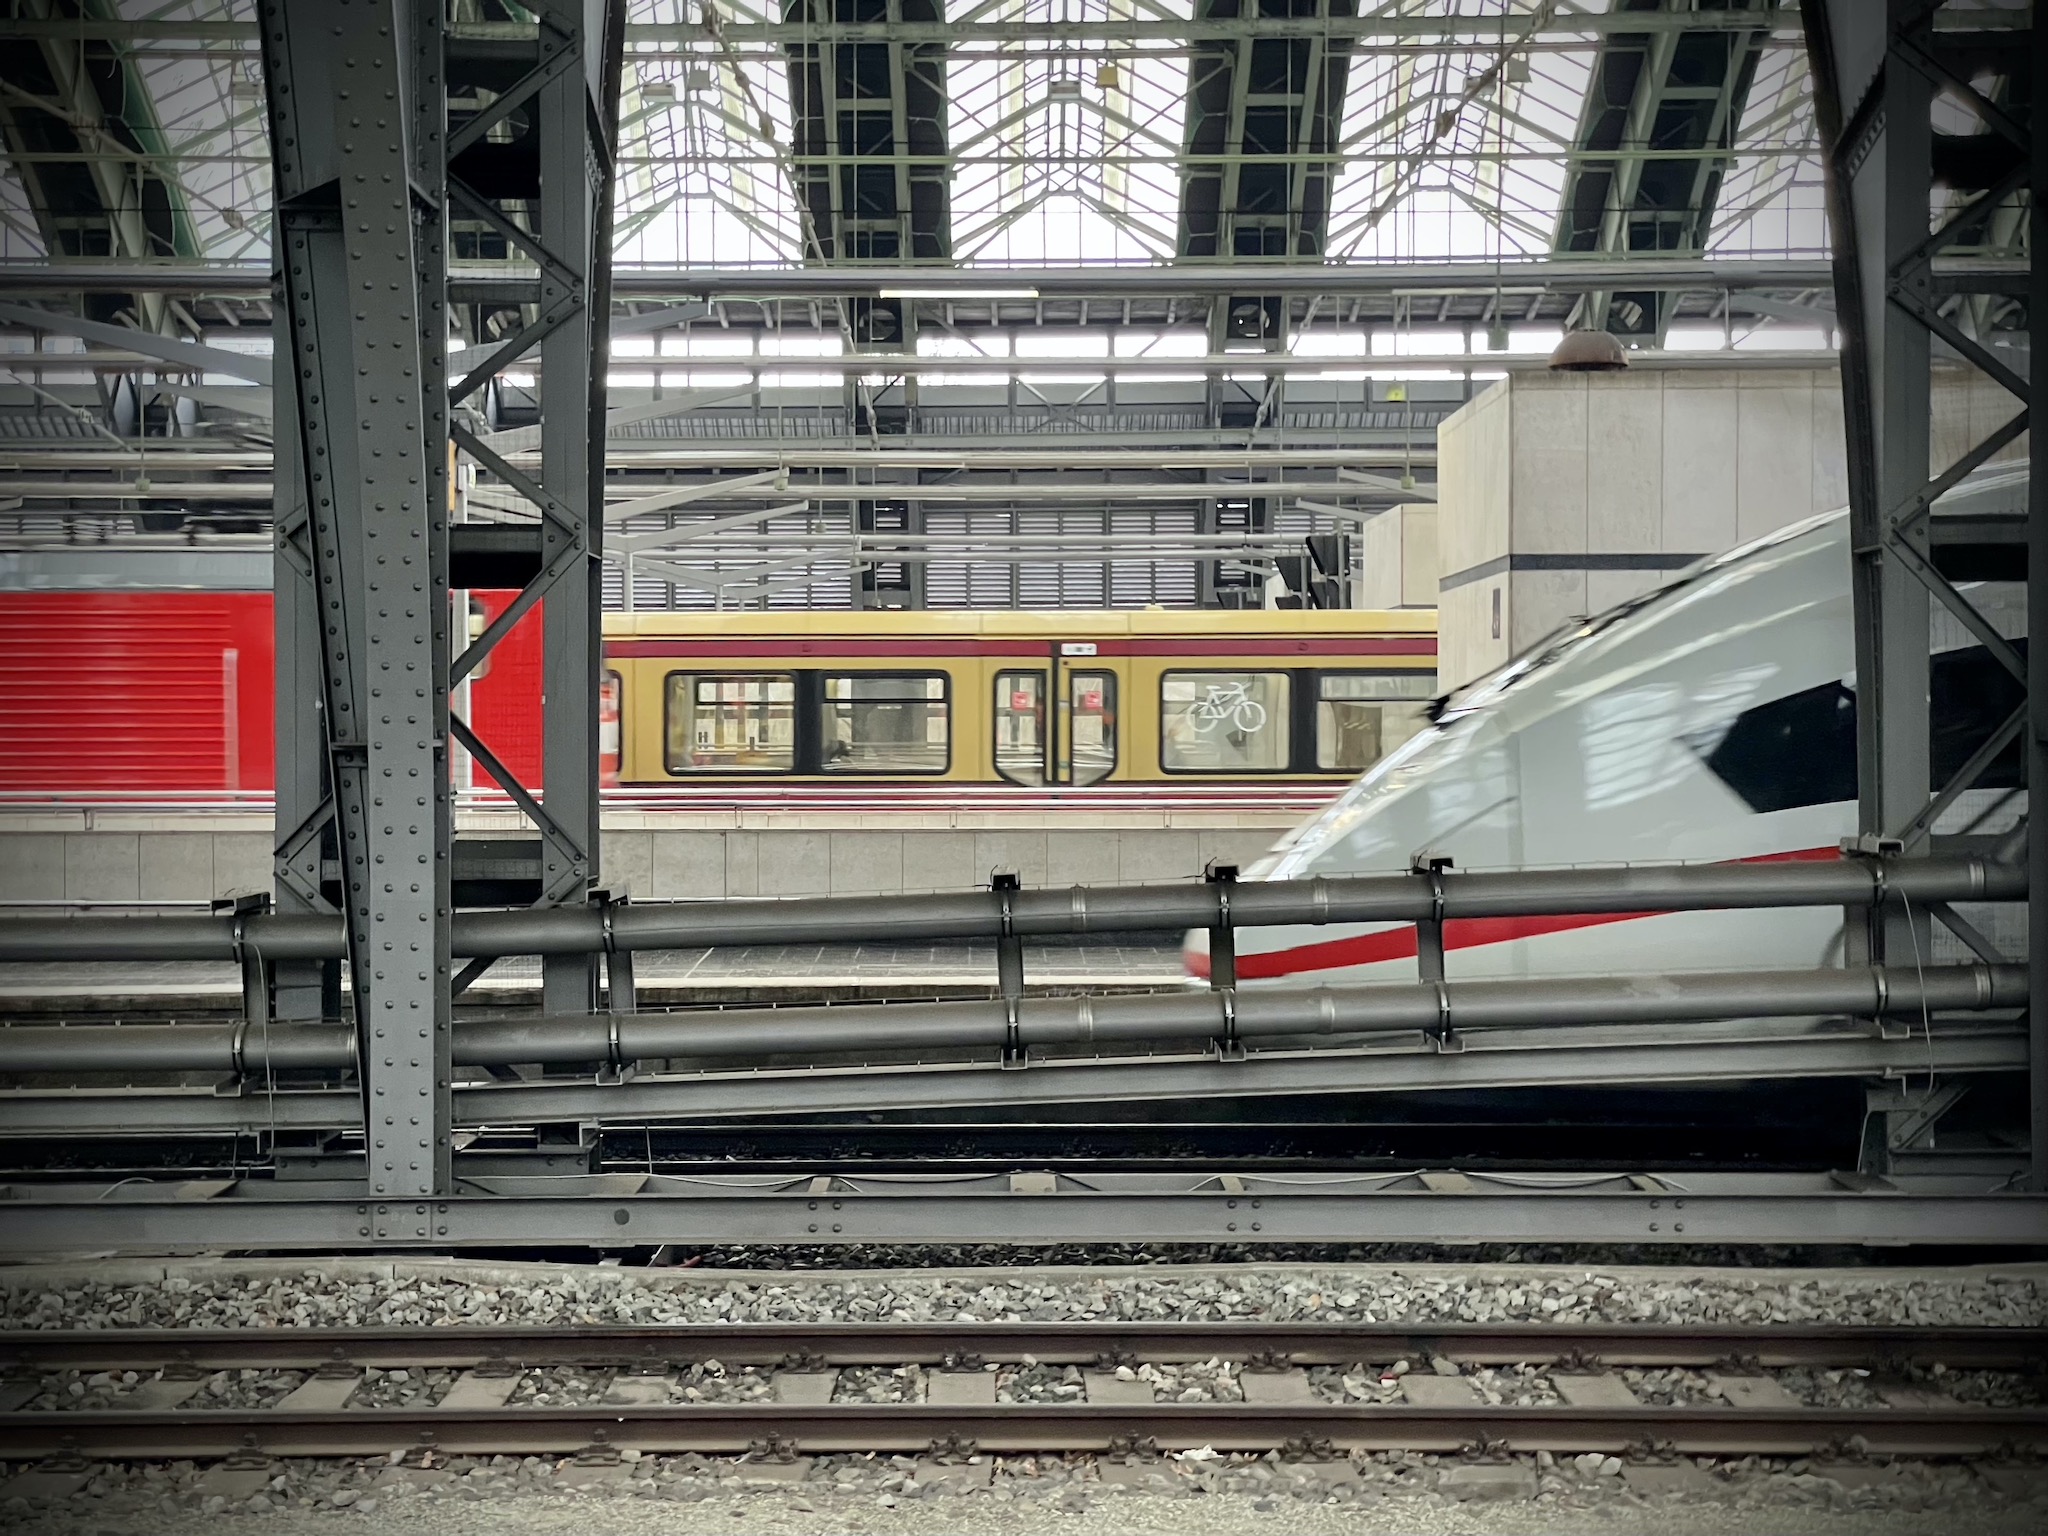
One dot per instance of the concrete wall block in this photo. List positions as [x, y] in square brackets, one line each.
[1699, 479]
[1147, 858]
[1604, 589]
[102, 866]
[1397, 558]
[1379, 561]
[626, 863]
[866, 863]
[1540, 601]
[175, 866]
[940, 861]
[1023, 853]
[1830, 451]
[686, 865]
[1082, 858]
[1625, 465]
[743, 864]
[1466, 645]
[1774, 469]
[1551, 473]
[32, 866]
[1420, 566]
[1474, 485]
[795, 863]
[1968, 406]
[241, 863]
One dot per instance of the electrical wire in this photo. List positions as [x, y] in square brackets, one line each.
[1920, 969]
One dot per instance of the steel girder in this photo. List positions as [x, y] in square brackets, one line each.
[1106, 281]
[1383, 28]
[622, 1210]
[1875, 90]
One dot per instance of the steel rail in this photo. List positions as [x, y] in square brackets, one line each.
[1233, 1014]
[984, 914]
[1774, 1346]
[1961, 1430]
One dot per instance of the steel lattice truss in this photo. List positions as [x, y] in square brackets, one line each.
[1065, 124]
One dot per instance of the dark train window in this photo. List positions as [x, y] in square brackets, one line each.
[1801, 749]
[1798, 750]
[1973, 694]
[884, 722]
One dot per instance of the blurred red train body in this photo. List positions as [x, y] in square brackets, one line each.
[128, 690]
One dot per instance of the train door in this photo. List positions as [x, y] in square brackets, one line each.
[1086, 718]
[1056, 722]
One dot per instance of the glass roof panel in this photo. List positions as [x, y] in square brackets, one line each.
[1066, 147]
[213, 142]
[1067, 154]
[1457, 153]
[1773, 199]
[703, 150]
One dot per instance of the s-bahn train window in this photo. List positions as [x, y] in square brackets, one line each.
[884, 723]
[1362, 716]
[731, 722]
[1223, 722]
[1801, 749]
[1020, 727]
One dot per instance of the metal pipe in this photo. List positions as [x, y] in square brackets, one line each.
[977, 914]
[1258, 1013]
[175, 1048]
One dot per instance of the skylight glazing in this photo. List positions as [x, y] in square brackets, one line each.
[1063, 146]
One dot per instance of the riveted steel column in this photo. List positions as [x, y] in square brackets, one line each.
[575, 188]
[359, 238]
[1880, 147]
[303, 828]
[1876, 74]
[2036, 764]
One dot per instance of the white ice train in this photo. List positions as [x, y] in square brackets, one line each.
[1712, 719]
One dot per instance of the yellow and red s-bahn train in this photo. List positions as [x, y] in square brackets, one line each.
[112, 684]
[1031, 700]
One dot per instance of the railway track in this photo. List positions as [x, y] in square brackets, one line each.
[633, 1376]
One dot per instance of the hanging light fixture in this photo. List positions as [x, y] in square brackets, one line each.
[1589, 352]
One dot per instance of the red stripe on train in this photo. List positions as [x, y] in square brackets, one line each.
[1459, 933]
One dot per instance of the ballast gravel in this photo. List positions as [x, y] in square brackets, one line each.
[1189, 1495]
[430, 1293]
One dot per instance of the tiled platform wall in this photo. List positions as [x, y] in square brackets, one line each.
[154, 863]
